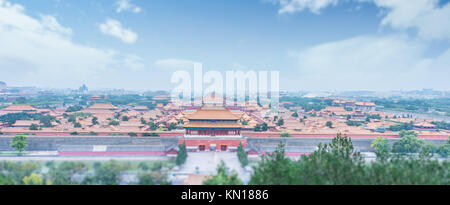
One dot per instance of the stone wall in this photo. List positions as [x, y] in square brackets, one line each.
[40, 143]
[122, 143]
[309, 144]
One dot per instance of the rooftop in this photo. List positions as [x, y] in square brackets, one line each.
[213, 113]
[26, 123]
[102, 106]
[212, 125]
[18, 108]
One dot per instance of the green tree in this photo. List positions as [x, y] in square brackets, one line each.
[257, 128]
[95, 121]
[330, 164]
[16, 171]
[442, 125]
[74, 108]
[132, 134]
[143, 121]
[401, 127]
[172, 126]
[280, 122]
[114, 123]
[242, 155]
[72, 118]
[145, 178]
[19, 142]
[285, 134]
[33, 179]
[182, 154]
[428, 150]
[144, 166]
[63, 173]
[46, 120]
[152, 125]
[444, 149]
[408, 143]
[381, 147]
[353, 123]
[339, 163]
[34, 127]
[77, 125]
[109, 173]
[329, 124]
[6, 180]
[264, 127]
[222, 177]
[272, 169]
[261, 127]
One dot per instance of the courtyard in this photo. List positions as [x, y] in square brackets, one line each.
[207, 162]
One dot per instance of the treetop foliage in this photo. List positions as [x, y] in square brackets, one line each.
[222, 177]
[339, 163]
[182, 154]
[242, 155]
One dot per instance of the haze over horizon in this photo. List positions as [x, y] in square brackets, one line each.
[377, 45]
[146, 89]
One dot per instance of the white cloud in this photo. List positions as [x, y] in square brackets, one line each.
[50, 23]
[426, 16]
[173, 63]
[114, 28]
[126, 5]
[292, 6]
[40, 52]
[133, 62]
[383, 62]
[372, 62]
[430, 20]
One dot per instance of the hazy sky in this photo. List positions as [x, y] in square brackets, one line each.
[314, 44]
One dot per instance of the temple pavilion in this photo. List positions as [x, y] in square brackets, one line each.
[212, 127]
[213, 121]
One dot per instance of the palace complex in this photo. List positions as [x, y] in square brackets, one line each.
[210, 124]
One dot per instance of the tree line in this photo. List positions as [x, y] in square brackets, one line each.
[339, 163]
[82, 173]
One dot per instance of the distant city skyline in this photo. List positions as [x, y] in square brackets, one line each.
[330, 45]
[303, 91]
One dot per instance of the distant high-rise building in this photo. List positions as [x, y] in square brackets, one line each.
[83, 88]
[2, 86]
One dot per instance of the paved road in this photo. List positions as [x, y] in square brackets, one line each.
[207, 163]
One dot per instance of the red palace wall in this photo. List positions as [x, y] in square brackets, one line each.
[162, 134]
[231, 143]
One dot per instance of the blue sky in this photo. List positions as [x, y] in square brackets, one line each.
[138, 44]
